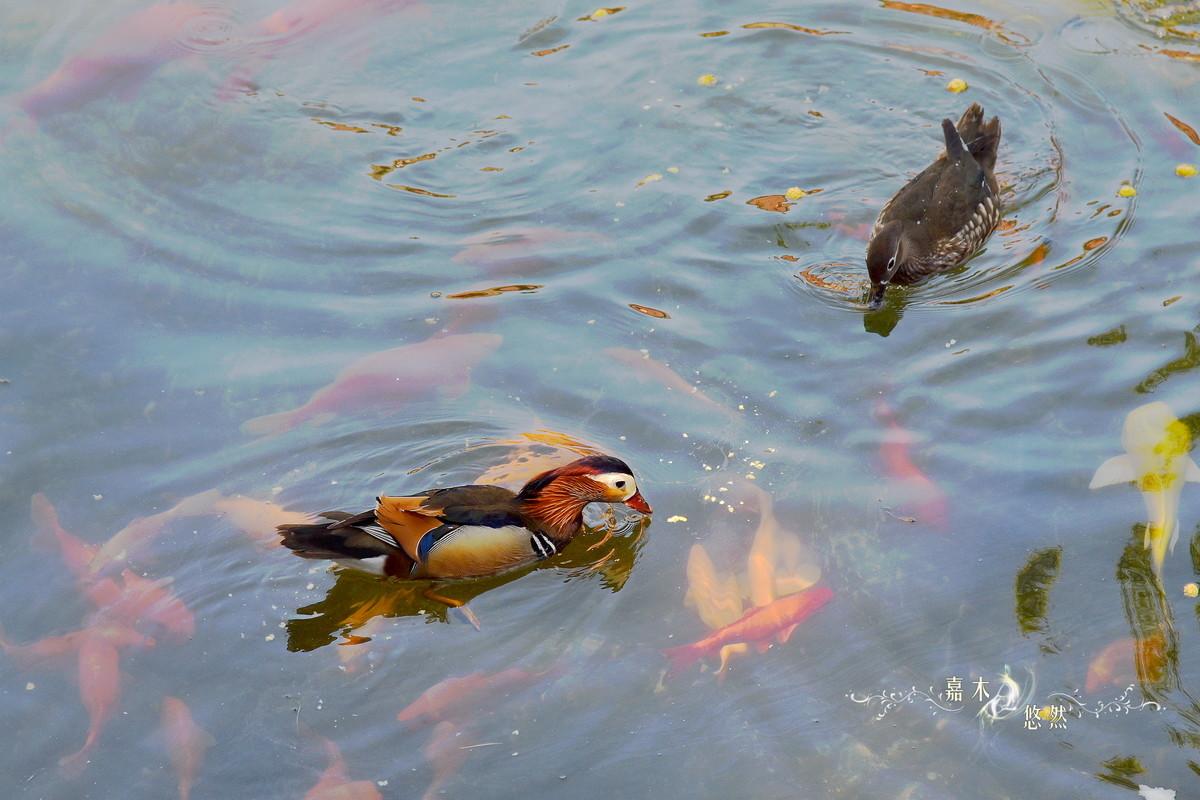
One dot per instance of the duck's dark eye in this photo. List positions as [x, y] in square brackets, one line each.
[620, 484]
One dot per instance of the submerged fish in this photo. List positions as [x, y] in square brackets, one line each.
[463, 698]
[116, 63]
[916, 493]
[388, 378]
[757, 626]
[100, 690]
[128, 544]
[185, 742]
[1156, 460]
[335, 783]
[717, 600]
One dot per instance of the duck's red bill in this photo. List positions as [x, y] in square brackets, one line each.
[638, 503]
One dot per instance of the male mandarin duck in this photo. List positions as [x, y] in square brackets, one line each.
[942, 216]
[469, 531]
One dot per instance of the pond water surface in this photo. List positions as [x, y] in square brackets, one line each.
[582, 242]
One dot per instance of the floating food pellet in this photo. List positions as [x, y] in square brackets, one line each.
[707, 80]
[794, 193]
[677, 518]
[957, 85]
[1185, 171]
[1126, 191]
[1191, 590]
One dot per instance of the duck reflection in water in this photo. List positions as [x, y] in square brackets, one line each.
[943, 216]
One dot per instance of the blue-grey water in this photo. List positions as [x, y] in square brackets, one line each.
[209, 212]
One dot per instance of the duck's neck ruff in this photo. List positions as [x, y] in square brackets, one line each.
[558, 506]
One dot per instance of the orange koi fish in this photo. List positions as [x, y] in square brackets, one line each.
[388, 379]
[143, 599]
[258, 519]
[116, 63]
[58, 651]
[1129, 659]
[100, 690]
[717, 601]
[464, 698]
[757, 626]
[185, 741]
[778, 564]
[917, 493]
[646, 368]
[128, 544]
[334, 783]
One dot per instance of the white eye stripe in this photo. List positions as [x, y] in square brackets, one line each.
[619, 481]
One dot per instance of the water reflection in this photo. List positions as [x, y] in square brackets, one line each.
[356, 599]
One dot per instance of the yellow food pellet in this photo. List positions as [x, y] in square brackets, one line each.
[1126, 191]
[707, 80]
[794, 193]
[957, 85]
[1191, 590]
[677, 518]
[1185, 171]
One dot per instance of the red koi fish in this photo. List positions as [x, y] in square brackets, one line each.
[464, 698]
[757, 626]
[185, 741]
[916, 493]
[116, 63]
[334, 783]
[100, 690]
[388, 379]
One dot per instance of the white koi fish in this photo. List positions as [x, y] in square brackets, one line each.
[1156, 460]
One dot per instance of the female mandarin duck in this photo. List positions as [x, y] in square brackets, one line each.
[943, 215]
[469, 531]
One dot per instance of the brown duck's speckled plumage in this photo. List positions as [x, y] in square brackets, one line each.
[943, 216]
